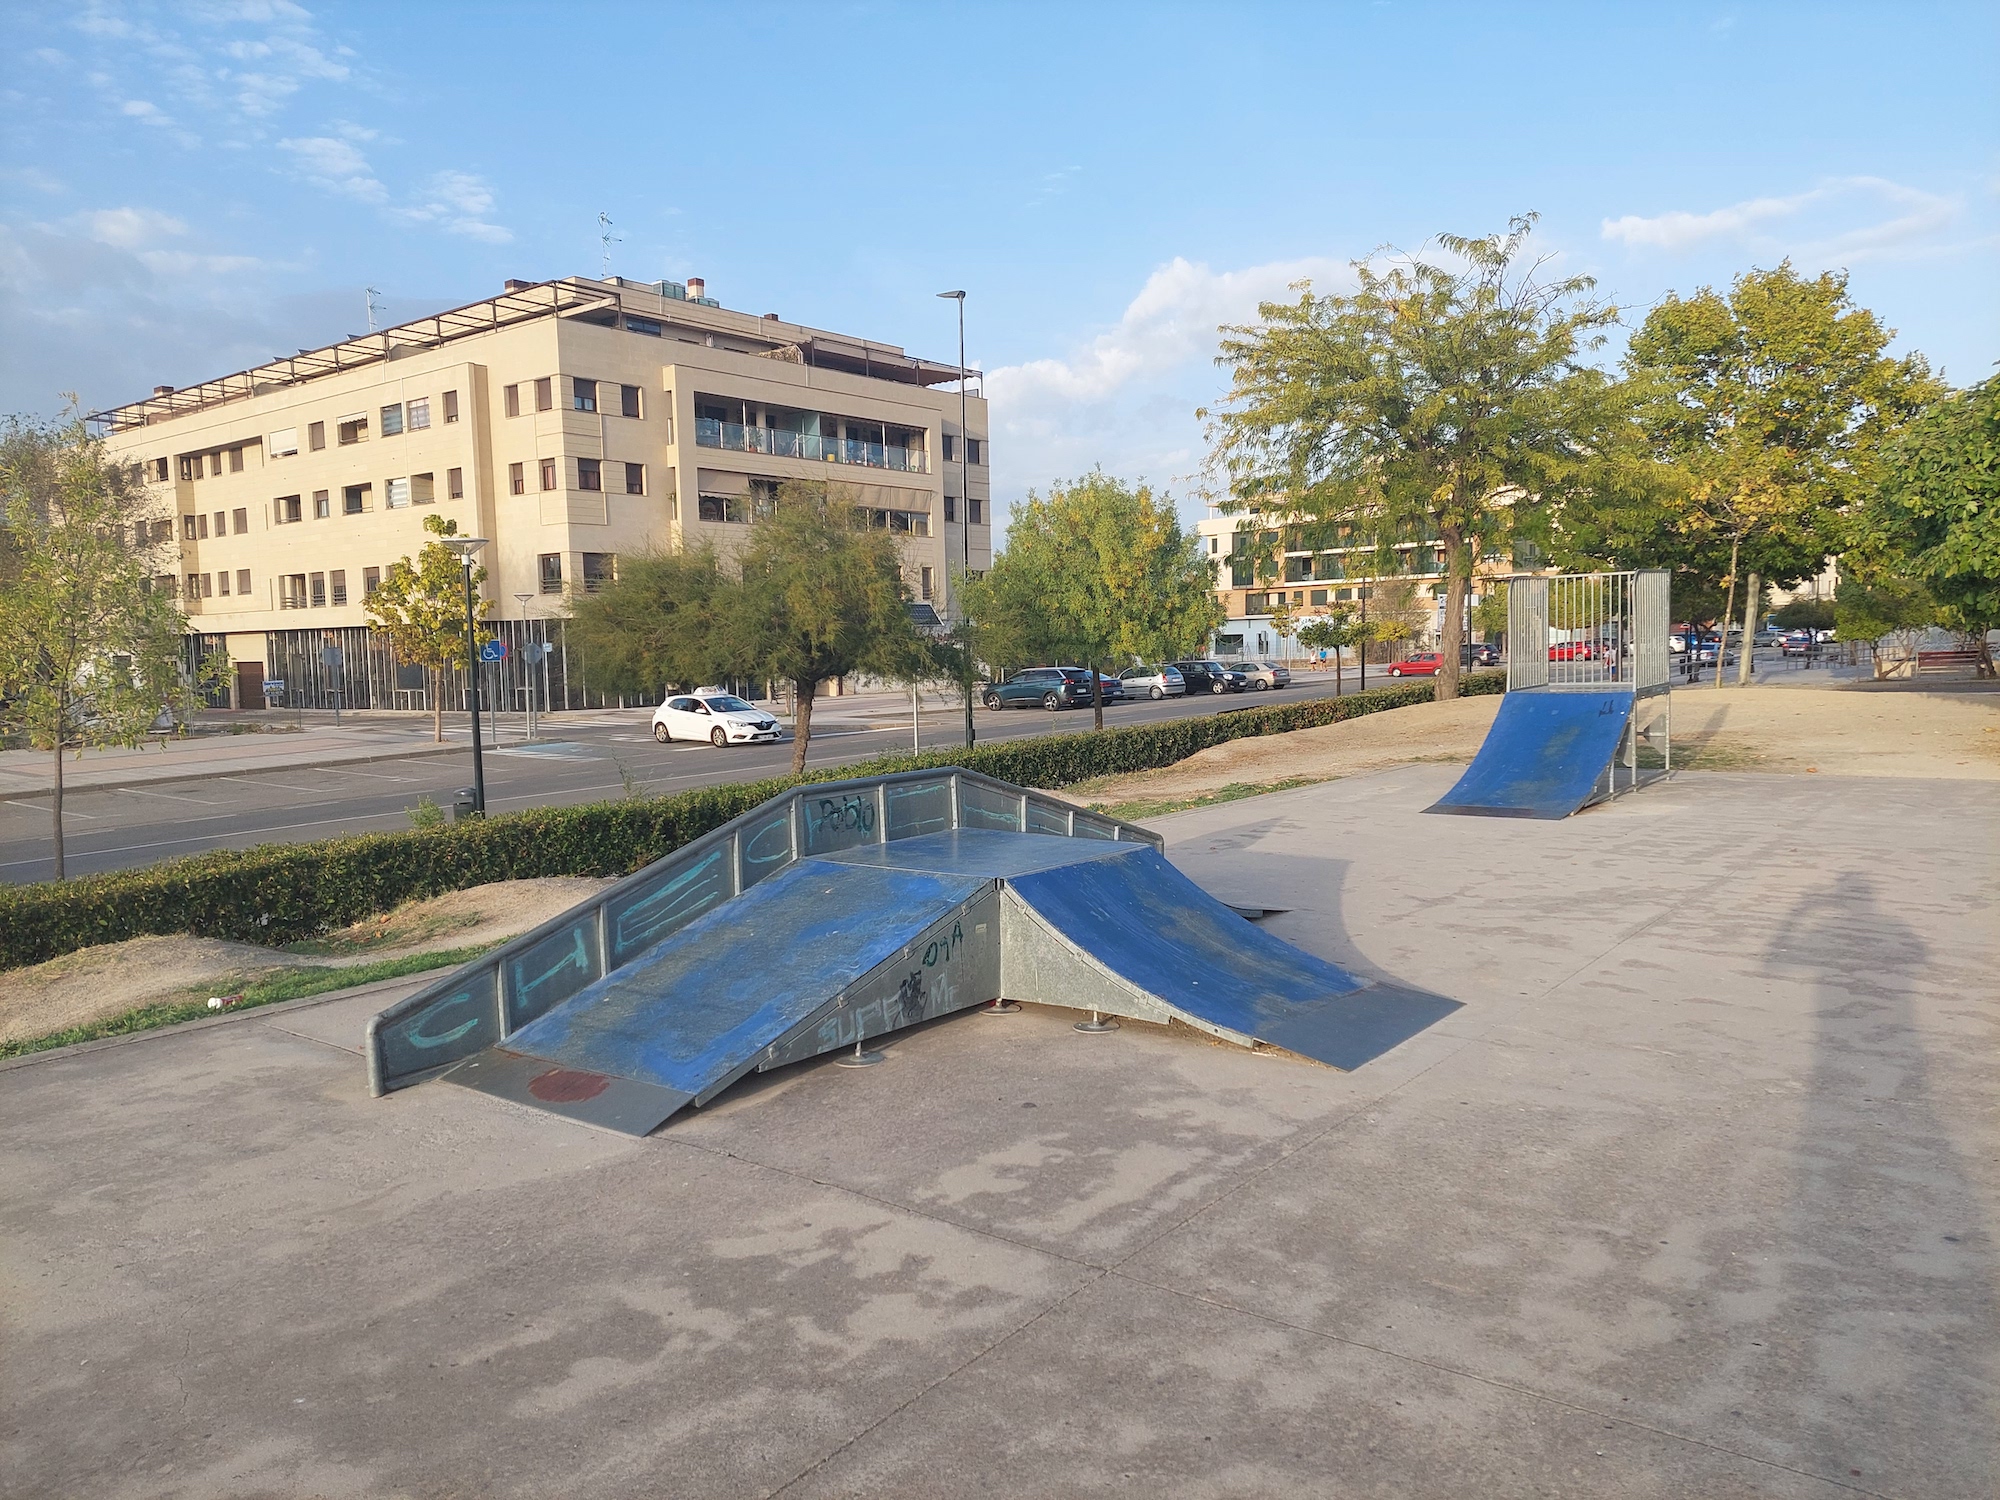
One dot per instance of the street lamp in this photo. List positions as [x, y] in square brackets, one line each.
[529, 659]
[965, 511]
[465, 547]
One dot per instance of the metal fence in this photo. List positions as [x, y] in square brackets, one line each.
[486, 1001]
[1589, 630]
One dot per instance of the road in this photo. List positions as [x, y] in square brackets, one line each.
[596, 757]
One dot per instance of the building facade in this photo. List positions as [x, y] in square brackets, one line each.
[568, 422]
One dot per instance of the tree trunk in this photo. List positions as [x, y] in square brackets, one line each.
[437, 705]
[1456, 579]
[803, 689]
[1753, 596]
[1096, 697]
[1337, 652]
[1728, 608]
[56, 804]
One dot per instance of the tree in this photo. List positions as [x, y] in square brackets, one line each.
[420, 607]
[1868, 611]
[1395, 614]
[664, 623]
[1936, 517]
[1768, 409]
[1097, 572]
[819, 596]
[1436, 403]
[1489, 614]
[93, 649]
[1333, 631]
[1804, 614]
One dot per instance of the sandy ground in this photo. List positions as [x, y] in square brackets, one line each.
[97, 983]
[1835, 731]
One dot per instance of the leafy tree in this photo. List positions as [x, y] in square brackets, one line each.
[664, 623]
[1804, 614]
[1869, 611]
[1333, 631]
[1936, 518]
[1097, 571]
[1283, 621]
[819, 596]
[1489, 614]
[93, 650]
[1764, 412]
[420, 607]
[1395, 615]
[1445, 403]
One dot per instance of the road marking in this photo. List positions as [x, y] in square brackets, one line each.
[133, 791]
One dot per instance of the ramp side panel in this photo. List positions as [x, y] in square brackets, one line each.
[703, 1005]
[1543, 757]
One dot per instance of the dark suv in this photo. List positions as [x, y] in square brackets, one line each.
[1479, 654]
[1050, 687]
[1204, 676]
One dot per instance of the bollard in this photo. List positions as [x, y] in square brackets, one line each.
[463, 806]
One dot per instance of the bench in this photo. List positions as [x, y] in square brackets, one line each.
[1947, 661]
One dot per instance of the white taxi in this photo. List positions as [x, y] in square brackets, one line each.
[719, 718]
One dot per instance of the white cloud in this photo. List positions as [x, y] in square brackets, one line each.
[129, 228]
[1816, 225]
[336, 165]
[458, 202]
[144, 110]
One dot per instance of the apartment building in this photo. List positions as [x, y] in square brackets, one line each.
[568, 422]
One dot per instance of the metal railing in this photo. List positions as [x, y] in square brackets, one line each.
[778, 442]
[482, 1003]
[1589, 630]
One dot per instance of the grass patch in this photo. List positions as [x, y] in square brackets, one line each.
[286, 984]
[1707, 755]
[1153, 807]
[391, 929]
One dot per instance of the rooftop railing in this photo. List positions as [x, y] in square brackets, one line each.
[778, 442]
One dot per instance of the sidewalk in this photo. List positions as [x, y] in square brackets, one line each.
[31, 773]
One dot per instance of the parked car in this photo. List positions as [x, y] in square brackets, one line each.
[1155, 682]
[1573, 651]
[1423, 664]
[1205, 676]
[1479, 654]
[719, 718]
[1770, 635]
[1265, 675]
[1050, 687]
[1114, 690]
[1798, 643]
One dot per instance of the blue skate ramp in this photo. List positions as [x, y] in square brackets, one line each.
[1145, 941]
[1544, 757]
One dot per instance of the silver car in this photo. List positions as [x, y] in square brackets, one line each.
[1264, 675]
[1154, 682]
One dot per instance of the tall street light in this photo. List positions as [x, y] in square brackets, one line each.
[530, 658]
[465, 547]
[964, 512]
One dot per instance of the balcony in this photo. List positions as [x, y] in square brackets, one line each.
[777, 442]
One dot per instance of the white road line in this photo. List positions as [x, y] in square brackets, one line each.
[133, 791]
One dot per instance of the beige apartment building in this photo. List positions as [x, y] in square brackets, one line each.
[570, 422]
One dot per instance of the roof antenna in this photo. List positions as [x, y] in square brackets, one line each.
[606, 238]
[374, 307]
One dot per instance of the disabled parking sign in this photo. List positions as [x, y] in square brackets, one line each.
[493, 650]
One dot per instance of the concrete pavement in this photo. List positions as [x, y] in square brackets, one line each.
[1696, 1196]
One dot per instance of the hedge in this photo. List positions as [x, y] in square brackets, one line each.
[282, 893]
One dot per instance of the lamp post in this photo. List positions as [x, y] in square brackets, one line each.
[465, 547]
[529, 660]
[965, 511]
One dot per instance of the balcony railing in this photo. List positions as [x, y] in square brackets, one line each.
[736, 437]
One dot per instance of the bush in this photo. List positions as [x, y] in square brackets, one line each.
[283, 893]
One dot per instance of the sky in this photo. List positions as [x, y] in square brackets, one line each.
[187, 190]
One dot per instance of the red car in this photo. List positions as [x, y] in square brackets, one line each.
[1573, 651]
[1423, 664]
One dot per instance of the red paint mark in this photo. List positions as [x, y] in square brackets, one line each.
[567, 1086]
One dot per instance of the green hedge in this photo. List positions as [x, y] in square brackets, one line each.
[282, 893]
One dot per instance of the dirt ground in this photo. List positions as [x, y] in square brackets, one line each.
[97, 983]
[1831, 731]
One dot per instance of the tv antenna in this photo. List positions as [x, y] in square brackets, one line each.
[607, 239]
[374, 307]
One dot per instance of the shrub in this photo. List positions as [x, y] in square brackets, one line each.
[283, 893]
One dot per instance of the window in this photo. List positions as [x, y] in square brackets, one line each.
[951, 507]
[731, 508]
[322, 505]
[242, 580]
[236, 460]
[643, 325]
[354, 499]
[583, 394]
[316, 436]
[950, 448]
[517, 483]
[423, 489]
[351, 430]
[450, 407]
[628, 401]
[1343, 596]
[1319, 596]
[160, 470]
[396, 494]
[635, 479]
[454, 484]
[292, 591]
[140, 532]
[545, 394]
[191, 467]
[972, 446]
[926, 584]
[319, 591]
[550, 564]
[589, 474]
[201, 527]
[975, 511]
[548, 473]
[510, 400]
[286, 508]
[1214, 546]
[222, 523]
[909, 522]
[239, 520]
[371, 580]
[420, 413]
[599, 570]
[194, 586]
[222, 583]
[163, 531]
[392, 420]
[337, 581]
[284, 442]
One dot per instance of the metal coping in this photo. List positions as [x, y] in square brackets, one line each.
[484, 1003]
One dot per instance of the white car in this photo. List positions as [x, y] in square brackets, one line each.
[719, 718]
[1154, 682]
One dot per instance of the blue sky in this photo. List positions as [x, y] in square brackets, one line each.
[189, 189]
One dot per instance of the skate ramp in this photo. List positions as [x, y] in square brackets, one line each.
[1548, 755]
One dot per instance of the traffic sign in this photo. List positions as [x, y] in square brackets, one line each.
[494, 650]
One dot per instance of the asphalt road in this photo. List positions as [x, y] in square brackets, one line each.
[121, 827]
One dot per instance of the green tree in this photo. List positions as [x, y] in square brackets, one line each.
[1489, 613]
[1869, 610]
[1097, 572]
[1765, 411]
[420, 607]
[1936, 517]
[819, 596]
[1396, 614]
[664, 623]
[1435, 403]
[93, 651]
[1333, 631]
